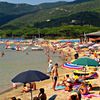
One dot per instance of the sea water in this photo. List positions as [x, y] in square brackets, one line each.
[14, 62]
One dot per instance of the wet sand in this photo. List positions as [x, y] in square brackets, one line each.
[47, 84]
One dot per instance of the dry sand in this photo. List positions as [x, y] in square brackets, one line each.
[47, 84]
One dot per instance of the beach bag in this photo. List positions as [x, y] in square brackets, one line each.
[68, 88]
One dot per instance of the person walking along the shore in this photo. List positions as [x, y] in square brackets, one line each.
[54, 75]
[50, 66]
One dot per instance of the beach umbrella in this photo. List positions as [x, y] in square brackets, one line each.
[72, 66]
[30, 76]
[86, 61]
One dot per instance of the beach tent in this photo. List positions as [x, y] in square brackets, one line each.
[30, 76]
[86, 61]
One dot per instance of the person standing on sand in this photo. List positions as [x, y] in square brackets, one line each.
[54, 75]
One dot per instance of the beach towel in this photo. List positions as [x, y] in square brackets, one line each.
[75, 87]
[52, 97]
[60, 87]
[90, 95]
[93, 76]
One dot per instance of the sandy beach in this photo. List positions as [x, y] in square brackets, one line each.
[47, 85]
[61, 94]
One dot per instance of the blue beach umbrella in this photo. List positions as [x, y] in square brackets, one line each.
[30, 76]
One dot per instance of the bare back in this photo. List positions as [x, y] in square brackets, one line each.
[55, 71]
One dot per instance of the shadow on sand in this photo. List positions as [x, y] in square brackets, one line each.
[53, 97]
[97, 88]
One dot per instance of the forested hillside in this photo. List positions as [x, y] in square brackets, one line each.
[14, 18]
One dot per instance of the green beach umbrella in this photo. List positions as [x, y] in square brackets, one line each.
[86, 61]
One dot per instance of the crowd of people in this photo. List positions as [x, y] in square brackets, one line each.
[76, 85]
[84, 88]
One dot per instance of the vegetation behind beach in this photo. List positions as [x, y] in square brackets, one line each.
[59, 19]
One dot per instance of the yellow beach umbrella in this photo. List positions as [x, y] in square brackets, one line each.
[98, 52]
[75, 77]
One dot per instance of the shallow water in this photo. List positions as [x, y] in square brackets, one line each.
[14, 62]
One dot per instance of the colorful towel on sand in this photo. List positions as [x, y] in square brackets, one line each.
[76, 87]
[93, 76]
[91, 95]
[60, 87]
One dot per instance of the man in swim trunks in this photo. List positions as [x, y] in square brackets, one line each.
[54, 75]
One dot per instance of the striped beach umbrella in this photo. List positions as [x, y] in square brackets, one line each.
[72, 66]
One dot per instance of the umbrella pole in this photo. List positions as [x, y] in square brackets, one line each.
[85, 71]
[31, 92]
[31, 95]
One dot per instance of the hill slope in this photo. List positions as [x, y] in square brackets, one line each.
[54, 11]
[10, 11]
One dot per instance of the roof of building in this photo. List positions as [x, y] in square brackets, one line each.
[94, 33]
[95, 39]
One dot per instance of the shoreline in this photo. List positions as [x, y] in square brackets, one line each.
[46, 84]
[9, 89]
[61, 95]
